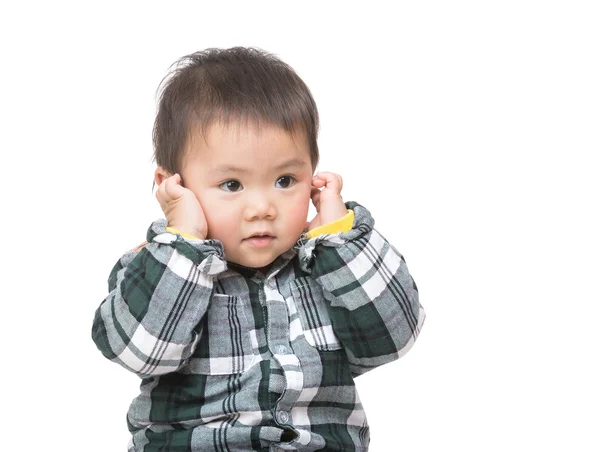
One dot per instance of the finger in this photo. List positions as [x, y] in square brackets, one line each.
[315, 196]
[333, 181]
[160, 191]
[317, 182]
[172, 188]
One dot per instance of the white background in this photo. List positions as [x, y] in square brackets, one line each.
[470, 129]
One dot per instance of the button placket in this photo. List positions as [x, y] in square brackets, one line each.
[278, 341]
[282, 350]
[283, 417]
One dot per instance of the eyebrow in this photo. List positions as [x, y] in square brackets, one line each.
[229, 169]
[291, 163]
[236, 169]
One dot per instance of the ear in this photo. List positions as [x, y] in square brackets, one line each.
[160, 175]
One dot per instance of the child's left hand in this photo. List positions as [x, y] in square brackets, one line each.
[327, 199]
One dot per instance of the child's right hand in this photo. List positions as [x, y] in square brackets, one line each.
[181, 207]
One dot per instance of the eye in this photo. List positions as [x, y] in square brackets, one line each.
[231, 186]
[285, 182]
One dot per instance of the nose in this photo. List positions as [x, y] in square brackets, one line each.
[259, 206]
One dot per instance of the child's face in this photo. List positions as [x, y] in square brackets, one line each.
[250, 181]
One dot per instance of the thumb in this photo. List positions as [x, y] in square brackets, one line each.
[173, 188]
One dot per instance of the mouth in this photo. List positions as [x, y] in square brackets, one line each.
[261, 235]
[260, 239]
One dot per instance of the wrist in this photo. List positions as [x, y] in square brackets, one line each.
[187, 232]
[333, 213]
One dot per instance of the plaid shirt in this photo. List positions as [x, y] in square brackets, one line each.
[235, 360]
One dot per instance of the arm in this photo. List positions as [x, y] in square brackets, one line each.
[371, 298]
[149, 322]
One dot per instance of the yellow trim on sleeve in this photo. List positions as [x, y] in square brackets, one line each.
[183, 234]
[343, 224]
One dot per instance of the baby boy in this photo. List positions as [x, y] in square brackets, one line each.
[246, 322]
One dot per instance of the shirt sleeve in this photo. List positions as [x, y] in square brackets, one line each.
[372, 299]
[343, 224]
[158, 294]
[183, 234]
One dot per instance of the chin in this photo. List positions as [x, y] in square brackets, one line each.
[256, 263]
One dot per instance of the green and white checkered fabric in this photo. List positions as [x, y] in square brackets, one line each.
[235, 360]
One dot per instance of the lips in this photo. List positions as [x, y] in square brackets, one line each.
[261, 235]
[260, 239]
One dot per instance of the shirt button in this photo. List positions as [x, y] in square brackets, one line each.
[271, 283]
[283, 417]
[282, 350]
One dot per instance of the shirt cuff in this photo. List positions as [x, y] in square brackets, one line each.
[343, 224]
[182, 234]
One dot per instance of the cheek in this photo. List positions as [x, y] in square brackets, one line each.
[297, 212]
[221, 220]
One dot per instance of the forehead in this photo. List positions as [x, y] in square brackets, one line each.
[262, 145]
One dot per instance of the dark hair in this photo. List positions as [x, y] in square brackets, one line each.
[237, 84]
